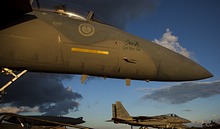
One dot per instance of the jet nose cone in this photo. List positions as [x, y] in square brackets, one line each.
[175, 67]
[186, 121]
[183, 120]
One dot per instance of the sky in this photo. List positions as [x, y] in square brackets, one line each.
[189, 27]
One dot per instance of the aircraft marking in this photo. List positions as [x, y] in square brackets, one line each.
[131, 45]
[59, 38]
[20, 37]
[90, 51]
[86, 29]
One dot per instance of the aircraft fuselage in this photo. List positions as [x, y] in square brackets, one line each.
[45, 41]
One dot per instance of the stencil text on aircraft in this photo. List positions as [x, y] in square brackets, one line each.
[131, 45]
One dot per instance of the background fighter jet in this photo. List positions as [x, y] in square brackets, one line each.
[120, 115]
[59, 41]
[54, 121]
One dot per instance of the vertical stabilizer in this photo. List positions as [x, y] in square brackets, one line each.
[118, 111]
[113, 111]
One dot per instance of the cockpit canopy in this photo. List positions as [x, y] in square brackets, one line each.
[172, 115]
[67, 8]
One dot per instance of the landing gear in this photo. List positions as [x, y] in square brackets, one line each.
[16, 76]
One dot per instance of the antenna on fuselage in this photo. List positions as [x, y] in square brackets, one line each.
[90, 16]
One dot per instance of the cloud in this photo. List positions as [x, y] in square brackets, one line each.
[43, 91]
[170, 41]
[18, 109]
[185, 92]
[187, 110]
[120, 12]
[199, 123]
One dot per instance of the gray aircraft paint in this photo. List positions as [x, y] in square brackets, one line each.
[120, 115]
[49, 41]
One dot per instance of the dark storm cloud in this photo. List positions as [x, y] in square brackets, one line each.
[120, 12]
[45, 91]
[185, 92]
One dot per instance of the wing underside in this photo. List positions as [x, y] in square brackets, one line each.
[22, 119]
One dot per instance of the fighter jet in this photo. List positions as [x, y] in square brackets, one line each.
[120, 115]
[60, 41]
[49, 121]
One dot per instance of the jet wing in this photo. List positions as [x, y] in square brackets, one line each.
[118, 119]
[24, 119]
[147, 118]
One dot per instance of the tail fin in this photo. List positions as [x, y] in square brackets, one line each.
[118, 111]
